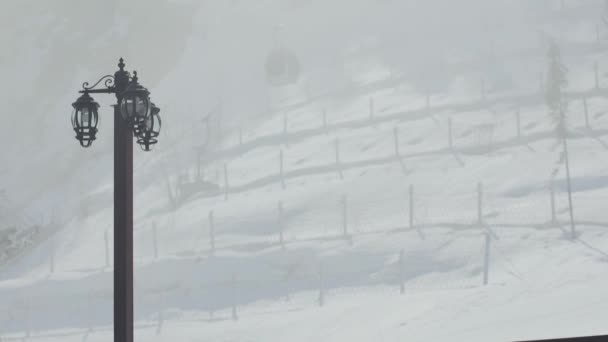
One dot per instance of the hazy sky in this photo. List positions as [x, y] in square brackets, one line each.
[191, 54]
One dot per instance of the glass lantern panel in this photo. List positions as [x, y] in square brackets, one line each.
[141, 107]
[135, 107]
[85, 117]
[126, 105]
[93, 117]
[74, 113]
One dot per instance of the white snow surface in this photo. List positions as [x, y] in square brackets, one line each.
[542, 283]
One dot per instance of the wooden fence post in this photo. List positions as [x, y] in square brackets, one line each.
[552, 193]
[569, 188]
[155, 240]
[479, 203]
[281, 169]
[518, 123]
[486, 264]
[401, 272]
[235, 316]
[396, 136]
[285, 122]
[596, 75]
[321, 286]
[338, 163]
[344, 216]
[226, 183]
[211, 233]
[450, 138]
[411, 191]
[52, 258]
[107, 247]
[586, 110]
[281, 223]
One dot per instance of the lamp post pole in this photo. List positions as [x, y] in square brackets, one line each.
[123, 217]
[134, 116]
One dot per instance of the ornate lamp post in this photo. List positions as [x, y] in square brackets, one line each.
[134, 116]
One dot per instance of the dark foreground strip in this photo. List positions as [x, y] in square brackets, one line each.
[578, 339]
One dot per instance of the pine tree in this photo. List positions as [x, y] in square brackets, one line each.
[556, 81]
[556, 102]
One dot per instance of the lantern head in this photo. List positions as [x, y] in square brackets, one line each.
[149, 129]
[85, 119]
[135, 104]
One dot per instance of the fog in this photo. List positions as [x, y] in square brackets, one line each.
[439, 95]
[204, 52]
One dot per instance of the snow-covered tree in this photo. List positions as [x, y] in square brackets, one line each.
[556, 81]
[556, 102]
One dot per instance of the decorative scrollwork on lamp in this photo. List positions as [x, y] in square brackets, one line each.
[109, 83]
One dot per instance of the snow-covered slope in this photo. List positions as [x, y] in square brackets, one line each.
[377, 227]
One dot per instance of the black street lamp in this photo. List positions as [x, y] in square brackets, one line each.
[134, 116]
[85, 119]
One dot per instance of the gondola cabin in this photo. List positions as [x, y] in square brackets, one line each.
[282, 68]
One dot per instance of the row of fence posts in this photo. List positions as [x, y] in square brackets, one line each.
[344, 214]
[397, 152]
[372, 110]
[285, 125]
[337, 162]
[281, 224]
[412, 226]
[518, 131]
[345, 234]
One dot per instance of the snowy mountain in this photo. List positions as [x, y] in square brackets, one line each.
[401, 189]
